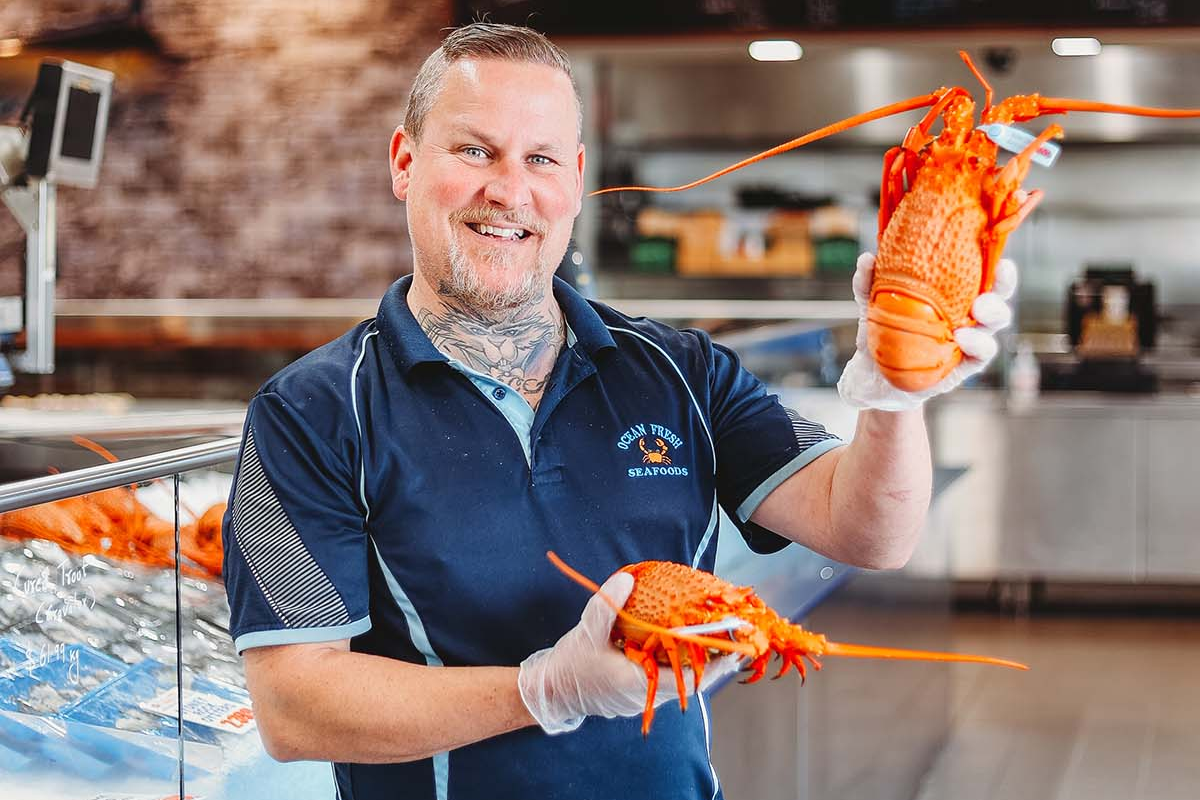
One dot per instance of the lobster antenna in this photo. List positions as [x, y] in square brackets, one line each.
[870, 651]
[1058, 105]
[726, 645]
[919, 101]
[95, 447]
[987, 87]
[108, 456]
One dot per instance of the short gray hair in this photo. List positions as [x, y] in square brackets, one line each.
[483, 40]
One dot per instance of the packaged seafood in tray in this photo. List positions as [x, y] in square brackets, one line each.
[145, 700]
[35, 686]
[43, 680]
[78, 709]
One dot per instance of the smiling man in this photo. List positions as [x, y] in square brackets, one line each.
[398, 488]
[493, 176]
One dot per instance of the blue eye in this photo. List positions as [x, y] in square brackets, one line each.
[541, 160]
[475, 152]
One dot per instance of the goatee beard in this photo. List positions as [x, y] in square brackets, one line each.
[461, 282]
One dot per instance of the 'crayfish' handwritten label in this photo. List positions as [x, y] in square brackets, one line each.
[64, 591]
[61, 593]
[1015, 140]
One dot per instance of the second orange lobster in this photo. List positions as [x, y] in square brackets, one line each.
[667, 595]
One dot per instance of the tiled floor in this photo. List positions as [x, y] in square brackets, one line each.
[1109, 711]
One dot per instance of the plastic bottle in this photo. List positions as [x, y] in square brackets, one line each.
[1024, 378]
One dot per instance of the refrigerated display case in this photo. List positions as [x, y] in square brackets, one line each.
[118, 678]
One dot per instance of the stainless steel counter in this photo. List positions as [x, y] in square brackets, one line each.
[1075, 486]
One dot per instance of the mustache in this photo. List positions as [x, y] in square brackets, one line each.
[489, 216]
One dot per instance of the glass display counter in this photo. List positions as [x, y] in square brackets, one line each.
[118, 678]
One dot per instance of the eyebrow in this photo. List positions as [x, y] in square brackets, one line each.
[467, 130]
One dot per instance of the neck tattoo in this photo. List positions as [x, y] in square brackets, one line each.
[518, 350]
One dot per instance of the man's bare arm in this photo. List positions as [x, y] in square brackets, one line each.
[323, 702]
[863, 504]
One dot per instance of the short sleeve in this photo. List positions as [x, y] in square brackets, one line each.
[294, 538]
[759, 443]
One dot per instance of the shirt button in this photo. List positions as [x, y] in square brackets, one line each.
[499, 392]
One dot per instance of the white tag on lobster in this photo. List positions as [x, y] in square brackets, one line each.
[725, 625]
[1015, 140]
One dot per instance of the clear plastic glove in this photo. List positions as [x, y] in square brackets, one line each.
[862, 385]
[584, 675]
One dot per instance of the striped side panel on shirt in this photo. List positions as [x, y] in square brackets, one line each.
[296, 587]
[807, 433]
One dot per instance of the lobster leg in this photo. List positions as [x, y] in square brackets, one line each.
[650, 665]
[918, 135]
[672, 649]
[992, 243]
[898, 172]
[788, 663]
[698, 658]
[1004, 182]
[758, 668]
[1006, 225]
[998, 187]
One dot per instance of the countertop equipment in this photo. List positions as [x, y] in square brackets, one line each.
[1111, 319]
[61, 140]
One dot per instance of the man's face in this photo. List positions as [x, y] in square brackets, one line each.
[495, 183]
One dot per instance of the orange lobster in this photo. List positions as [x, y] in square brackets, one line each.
[114, 523]
[945, 211]
[667, 596]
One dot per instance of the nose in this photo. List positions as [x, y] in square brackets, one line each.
[508, 185]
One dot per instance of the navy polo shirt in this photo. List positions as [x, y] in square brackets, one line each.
[388, 495]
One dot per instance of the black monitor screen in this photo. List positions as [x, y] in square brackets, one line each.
[79, 129]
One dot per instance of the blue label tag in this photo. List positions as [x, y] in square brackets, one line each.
[1015, 140]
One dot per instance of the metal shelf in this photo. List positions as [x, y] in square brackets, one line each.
[353, 310]
[675, 309]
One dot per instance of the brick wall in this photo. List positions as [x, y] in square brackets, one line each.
[246, 153]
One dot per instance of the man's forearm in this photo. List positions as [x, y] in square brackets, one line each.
[881, 488]
[335, 705]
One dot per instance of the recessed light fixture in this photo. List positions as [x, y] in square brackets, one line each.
[775, 50]
[9, 47]
[1076, 46]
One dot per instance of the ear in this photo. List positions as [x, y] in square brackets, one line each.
[400, 162]
[580, 160]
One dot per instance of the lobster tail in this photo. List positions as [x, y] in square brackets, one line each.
[910, 341]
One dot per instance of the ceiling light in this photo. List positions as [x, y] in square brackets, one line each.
[775, 50]
[1081, 46]
[9, 47]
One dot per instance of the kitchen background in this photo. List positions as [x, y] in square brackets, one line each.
[244, 216]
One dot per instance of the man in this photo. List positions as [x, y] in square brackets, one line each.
[398, 488]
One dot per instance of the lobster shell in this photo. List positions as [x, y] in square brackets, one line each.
[668, 595]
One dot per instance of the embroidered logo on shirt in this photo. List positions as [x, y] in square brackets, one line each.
[656, 456]
[655, 443]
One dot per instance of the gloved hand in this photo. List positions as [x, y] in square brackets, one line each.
[862, 384]
[584, 675]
